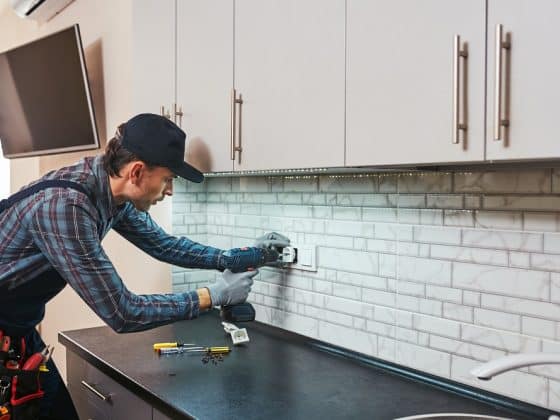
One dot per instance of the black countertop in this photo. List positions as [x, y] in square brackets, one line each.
[276, 375]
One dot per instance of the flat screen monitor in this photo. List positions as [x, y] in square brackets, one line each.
[45, 100]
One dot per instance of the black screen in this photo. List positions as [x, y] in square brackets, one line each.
[45, 103]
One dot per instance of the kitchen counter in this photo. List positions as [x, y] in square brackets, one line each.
[276, 375]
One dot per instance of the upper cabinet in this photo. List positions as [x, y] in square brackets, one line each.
[205, 79]
[415, 81]
[289, 82]
[523, 90]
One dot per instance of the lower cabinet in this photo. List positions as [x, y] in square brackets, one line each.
[98, 397]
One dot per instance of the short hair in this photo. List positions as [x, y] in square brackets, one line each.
[116, 156]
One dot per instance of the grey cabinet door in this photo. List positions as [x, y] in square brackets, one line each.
[289, 71]
[529, 79]
[400, 81]
[96, 396]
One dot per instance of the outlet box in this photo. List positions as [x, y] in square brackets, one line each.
[306, 258]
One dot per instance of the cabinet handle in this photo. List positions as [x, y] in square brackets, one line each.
[165, 114]
[233, 119]
[178, 113]
[96, 392]
[501, 44]
[458, 53]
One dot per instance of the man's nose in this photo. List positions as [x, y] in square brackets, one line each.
[168, 188]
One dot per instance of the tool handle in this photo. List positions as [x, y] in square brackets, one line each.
[33, 362]
[158, 346]
[218, 350]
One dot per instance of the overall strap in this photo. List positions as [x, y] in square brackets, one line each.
[51, 183]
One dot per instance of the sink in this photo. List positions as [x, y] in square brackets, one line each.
[453, 416]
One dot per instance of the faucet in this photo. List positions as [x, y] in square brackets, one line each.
[490, 369]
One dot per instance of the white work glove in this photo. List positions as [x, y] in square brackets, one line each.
[272, 240]
[231, 288]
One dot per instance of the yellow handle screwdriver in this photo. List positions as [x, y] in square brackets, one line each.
[158, 346]
[209, 350]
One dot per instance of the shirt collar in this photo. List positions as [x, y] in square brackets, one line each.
[107, 203]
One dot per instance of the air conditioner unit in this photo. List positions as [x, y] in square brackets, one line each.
[39, 10]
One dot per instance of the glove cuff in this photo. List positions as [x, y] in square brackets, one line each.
[215, 295]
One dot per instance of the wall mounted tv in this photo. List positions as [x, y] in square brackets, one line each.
[45, 100]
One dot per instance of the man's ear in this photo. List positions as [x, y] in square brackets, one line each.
[136, 172]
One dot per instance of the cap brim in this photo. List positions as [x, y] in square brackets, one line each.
[188, 172]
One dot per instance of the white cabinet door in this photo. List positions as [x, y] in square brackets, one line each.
[205, 79]
[400, 81]
[530, 88]
[289, 71]
[153, 55]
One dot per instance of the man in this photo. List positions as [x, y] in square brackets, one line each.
[51, 232]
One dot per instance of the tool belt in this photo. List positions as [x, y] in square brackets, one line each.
[20, 387]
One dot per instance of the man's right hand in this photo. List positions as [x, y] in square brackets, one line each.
[231, 288]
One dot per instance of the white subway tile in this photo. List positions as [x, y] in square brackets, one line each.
[438, 326]
[408, 303]
[411, 289]
[381, 245]
[522, 306]
[379, 297]
[360, 244]
[502, 340]
[359, 323]
[361, 200]
[538, 327]
[408, 200]
[381, 329]
[555, 287]
[519, 385]
[215, 184]
[301, 184]
[547, 262]
[431, 307]
[473, 201]
[387, 265]
[408, 216]
[322, 212]
[458, 218]
[404, 319]
[425, 270]
[348, 306]
[425, 182]
[458, 312]
[322, 286]
[384, 314]
[385, 215]
[552, 243]
[431, 217]
[527, 181]
[404, 334]
[328, 240]
[530, 242]
[498, 220]
[466, 254]
[498, 320]
[461, 348]
[310, 298]
[554, 395]
[447, 294]
[513, 202]
[350, 228]
[437, 235]
[445, 201]
[348, 337]
[347, 213]
[519, 259]
[540, 222]
[506, 281]
[369, 281]
[393, 232]
[428, 360]
[347, 184]
[315, 199]
[409, 248]
[386, 348]
[346, 291]
[354, 261]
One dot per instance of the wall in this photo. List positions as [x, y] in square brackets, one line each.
[436, 271]
[105, 27]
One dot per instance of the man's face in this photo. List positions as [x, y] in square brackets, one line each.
[154, 184]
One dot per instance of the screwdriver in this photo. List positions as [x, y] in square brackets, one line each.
[209, 350]
[158, 346]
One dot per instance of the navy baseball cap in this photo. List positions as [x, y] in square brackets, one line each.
[158, 141]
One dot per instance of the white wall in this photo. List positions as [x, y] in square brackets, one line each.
[105, 27]
[4, 177]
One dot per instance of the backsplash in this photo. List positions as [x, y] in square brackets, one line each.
[435, 271]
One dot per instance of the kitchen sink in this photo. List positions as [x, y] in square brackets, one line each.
[452, 416]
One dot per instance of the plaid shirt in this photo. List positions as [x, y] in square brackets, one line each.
[62, 228]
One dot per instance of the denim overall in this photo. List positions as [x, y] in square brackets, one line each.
[23, 308]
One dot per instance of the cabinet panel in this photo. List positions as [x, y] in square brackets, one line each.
[531, 92]
[400, 81]
[153, 55]
[289, 71]
[205, 79]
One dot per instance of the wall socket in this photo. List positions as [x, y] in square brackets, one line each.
[305, 257]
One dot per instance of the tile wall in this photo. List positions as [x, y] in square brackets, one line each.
[435, 271]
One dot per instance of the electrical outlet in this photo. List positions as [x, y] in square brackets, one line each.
[305, 258]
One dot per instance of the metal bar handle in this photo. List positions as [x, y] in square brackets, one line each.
[458, 53]
[233, 119]
[499, 122]
[96, 392]
[178, 113]
[165, 114]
